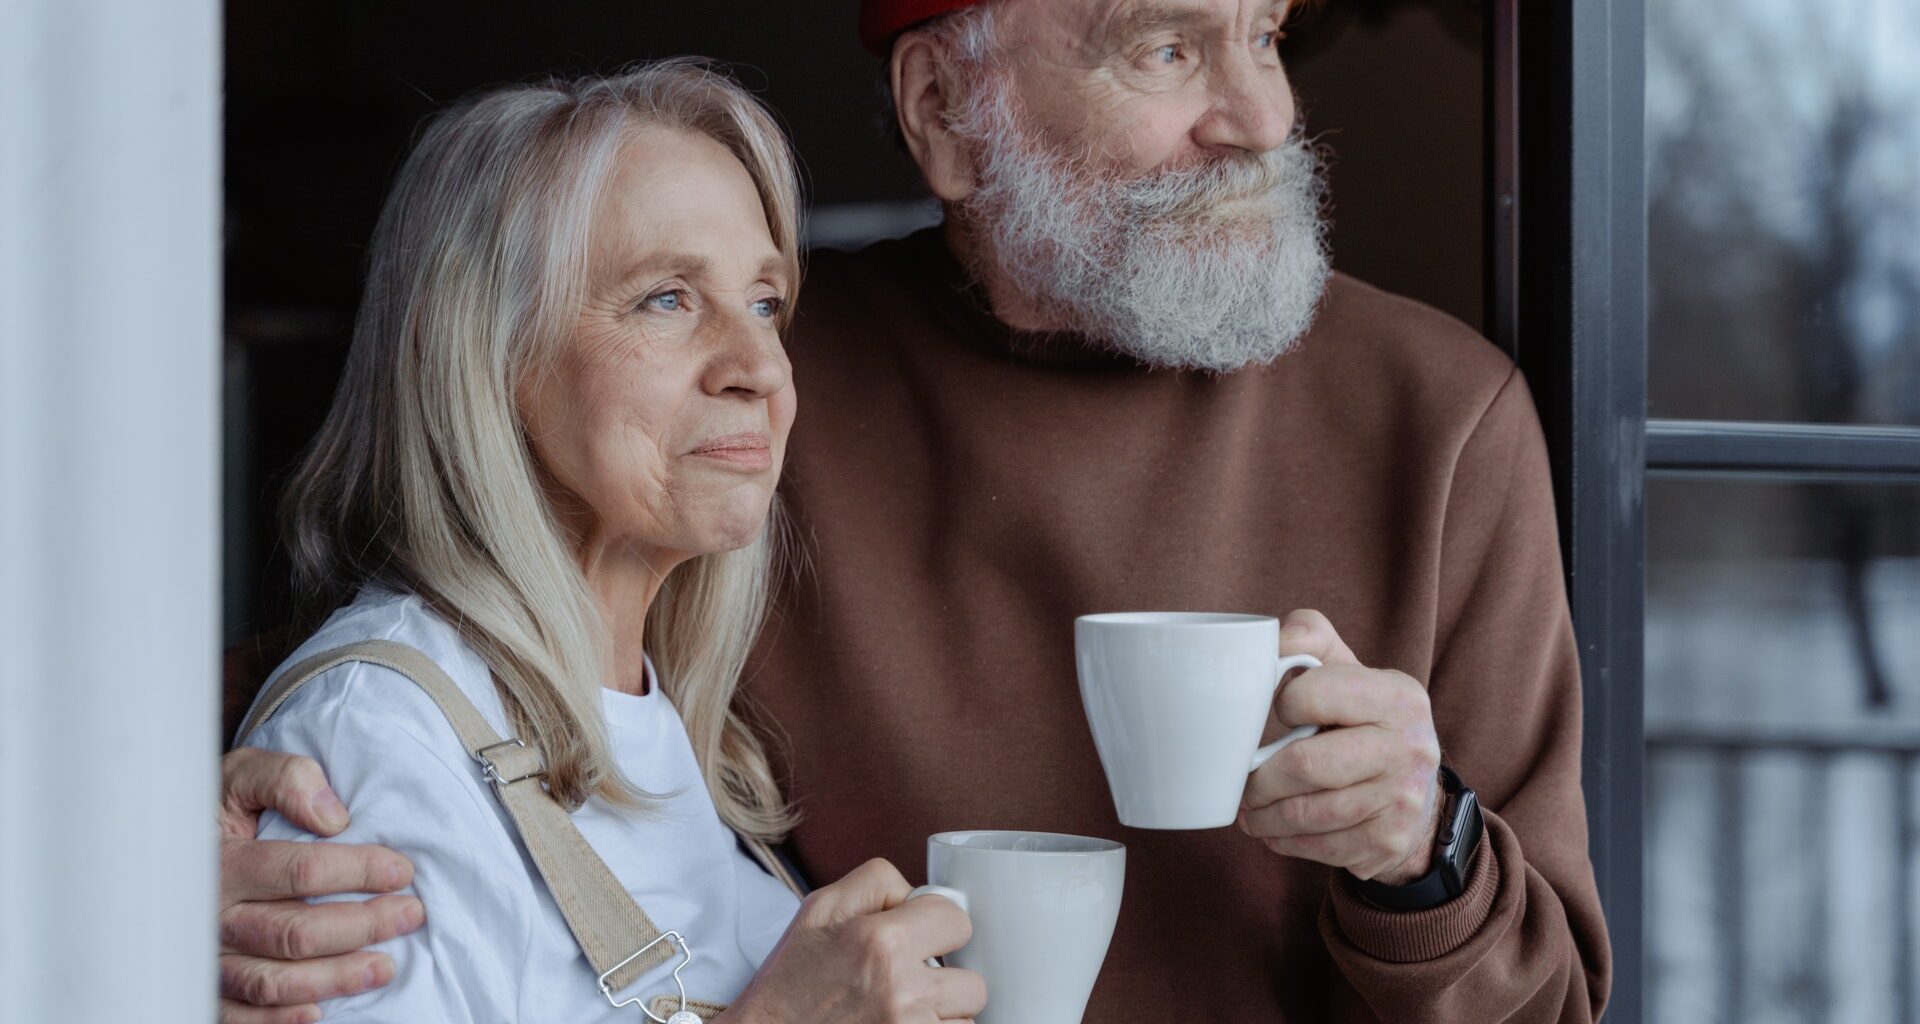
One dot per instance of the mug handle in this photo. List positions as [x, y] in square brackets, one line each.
[959, 900]
[1300, 732]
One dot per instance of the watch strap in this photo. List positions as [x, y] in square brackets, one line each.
[1429, 890]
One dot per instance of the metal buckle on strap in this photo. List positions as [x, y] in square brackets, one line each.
[492, 774]
[684, 1015]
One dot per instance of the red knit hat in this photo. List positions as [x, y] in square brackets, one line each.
[881, 20]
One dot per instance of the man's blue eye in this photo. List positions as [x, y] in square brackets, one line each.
[1168, 54]
[1267, 40]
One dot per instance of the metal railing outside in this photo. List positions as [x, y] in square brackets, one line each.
[1814, 750]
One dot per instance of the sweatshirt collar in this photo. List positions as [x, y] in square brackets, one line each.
[962, 304]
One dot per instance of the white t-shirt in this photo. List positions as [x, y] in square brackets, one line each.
[495, 948]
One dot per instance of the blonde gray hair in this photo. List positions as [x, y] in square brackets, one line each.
[422, 478]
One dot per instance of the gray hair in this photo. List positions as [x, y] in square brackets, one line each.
[422, 477]
[968, 36]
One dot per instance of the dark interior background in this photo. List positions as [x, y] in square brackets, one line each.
[323, 98]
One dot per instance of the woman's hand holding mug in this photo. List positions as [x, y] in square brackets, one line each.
[857, 953]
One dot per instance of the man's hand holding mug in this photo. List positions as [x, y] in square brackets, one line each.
[1176, 702]
[1363, 793]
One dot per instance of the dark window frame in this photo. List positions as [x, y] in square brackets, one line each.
[1567, 296]
[1796, 451]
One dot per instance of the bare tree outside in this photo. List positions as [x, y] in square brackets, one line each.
[1784, 222]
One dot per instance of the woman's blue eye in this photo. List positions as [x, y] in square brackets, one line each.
[1266, 40]
[1168, 54]
[769, 307]
[666, 302]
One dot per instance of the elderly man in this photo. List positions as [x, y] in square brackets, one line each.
[1121, 376]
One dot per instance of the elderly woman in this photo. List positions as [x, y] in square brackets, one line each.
[561, 425]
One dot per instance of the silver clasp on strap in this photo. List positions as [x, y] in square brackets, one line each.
[684, 1015]
[492, 774]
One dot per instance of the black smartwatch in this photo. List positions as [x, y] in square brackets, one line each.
[1453, 852]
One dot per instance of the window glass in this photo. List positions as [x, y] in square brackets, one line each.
[1783, 143]
[1783, 751]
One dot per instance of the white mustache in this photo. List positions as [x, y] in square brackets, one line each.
[1200, 191]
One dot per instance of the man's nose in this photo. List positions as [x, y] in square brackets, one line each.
[1252, 107]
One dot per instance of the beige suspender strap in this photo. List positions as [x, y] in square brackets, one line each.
[610, 927]
[664, 1007]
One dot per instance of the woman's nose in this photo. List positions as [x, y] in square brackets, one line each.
[747, 359]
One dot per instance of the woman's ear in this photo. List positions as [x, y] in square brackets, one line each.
[923, 96]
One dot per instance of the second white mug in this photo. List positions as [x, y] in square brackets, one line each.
[1043, 907]
[1176, 702]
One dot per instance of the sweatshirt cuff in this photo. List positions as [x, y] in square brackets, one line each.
[1411, 936]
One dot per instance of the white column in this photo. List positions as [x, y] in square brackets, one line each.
[109, 522]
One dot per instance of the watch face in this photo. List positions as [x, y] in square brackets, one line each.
[1464, 829]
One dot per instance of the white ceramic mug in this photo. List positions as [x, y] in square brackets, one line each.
[1177, 702]
[1043, 907]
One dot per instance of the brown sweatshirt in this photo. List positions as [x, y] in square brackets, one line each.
[964, 491]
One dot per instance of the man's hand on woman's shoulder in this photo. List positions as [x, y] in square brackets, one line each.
[279, 955]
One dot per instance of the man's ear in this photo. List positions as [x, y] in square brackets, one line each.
[923, 95]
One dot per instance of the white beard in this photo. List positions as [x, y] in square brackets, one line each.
[1210, 267]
